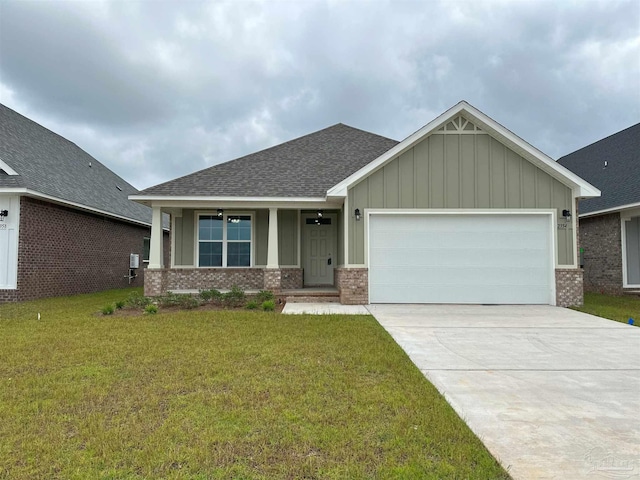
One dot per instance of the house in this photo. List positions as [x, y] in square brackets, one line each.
[66, 223]
[610, 224]
[461, 211]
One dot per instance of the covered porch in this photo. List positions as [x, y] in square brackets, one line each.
[254, 247]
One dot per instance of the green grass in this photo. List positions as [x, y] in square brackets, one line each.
[215, 394]
[619, 309]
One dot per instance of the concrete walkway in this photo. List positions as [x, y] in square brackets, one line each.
[324, 308]
[552, 393]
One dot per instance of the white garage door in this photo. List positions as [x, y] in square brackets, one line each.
[463, 258]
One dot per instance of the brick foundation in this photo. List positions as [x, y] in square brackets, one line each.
[569, 287]
[159, 281]
[600, 237]
[272, 279]
[291, 278]
[64, 251]
[353, 285]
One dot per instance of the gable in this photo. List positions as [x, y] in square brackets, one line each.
[458, 168]
[463, 119]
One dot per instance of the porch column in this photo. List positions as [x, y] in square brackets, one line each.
[156, 253]
[272, 250]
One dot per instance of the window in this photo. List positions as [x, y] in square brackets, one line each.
[146, 248]
[224, 241]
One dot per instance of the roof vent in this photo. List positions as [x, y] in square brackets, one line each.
[119, 187]
[606, 164]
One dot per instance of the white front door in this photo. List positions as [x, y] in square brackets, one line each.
[319, 249]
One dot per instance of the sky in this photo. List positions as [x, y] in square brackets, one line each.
[159, 89]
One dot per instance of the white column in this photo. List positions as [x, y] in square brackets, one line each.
[272, 250]
[156, 253]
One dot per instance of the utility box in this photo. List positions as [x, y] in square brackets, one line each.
[134, 260]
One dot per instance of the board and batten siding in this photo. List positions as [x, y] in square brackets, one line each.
[460, 171]
[185, 242]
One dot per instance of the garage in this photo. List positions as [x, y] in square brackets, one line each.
[463, 257]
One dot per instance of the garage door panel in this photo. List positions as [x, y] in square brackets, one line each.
[432, 257]
[460, 258]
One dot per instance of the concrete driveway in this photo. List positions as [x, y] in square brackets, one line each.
[551, 392]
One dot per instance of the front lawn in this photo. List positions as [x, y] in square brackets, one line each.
[619, 309]
[216, 394]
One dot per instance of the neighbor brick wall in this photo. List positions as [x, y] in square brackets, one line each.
[569, 291]
[63, 251]
[600, 237]
[353, 285]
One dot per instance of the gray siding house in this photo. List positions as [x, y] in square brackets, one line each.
[610, 224]
[66, 224]
[461, 211]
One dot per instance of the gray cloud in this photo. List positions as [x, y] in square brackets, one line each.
[159, 89]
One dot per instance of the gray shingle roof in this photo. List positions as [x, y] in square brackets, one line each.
[305, 167]
[50, 164]
[619, 180]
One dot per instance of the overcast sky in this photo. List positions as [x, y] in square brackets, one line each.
[159, 89]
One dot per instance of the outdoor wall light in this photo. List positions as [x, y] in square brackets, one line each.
[3, 213]
[566, 214]
[357, 214]
[319, 213]
[220, 212]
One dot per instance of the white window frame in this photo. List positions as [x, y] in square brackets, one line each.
[624, 218]
[144, 240]
[225, 216]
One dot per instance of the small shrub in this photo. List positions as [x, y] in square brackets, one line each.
[212, 295]
[107, 310]
[137, 300]
[268, 306]
[151, 309]
[251, 305]
[189, 302]
[235, 297]
[264, 295]
[120, 304]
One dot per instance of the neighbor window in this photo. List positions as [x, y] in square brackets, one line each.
[224, 241]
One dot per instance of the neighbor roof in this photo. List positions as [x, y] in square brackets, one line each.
[52, 166]
[611, 164]
[305, 167]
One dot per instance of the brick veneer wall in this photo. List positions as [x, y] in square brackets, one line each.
[353, 285]
[292, 278]
[600, 237]
[569, 290]
[64, 251]
[159, 281]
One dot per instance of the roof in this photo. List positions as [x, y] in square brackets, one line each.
[52, 166]
[580, 187]
[304, 167]
[611, 164]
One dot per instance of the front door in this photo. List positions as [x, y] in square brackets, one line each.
[319, 249]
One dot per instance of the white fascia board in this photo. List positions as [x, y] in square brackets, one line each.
[581, 188]
[7, 168]
[235, 202]
[610, 210]
[79, 206]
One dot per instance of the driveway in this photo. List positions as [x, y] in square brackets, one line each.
[551, 392]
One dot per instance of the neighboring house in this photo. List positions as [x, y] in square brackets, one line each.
[610, 224]
[66, 224]
[462, 211]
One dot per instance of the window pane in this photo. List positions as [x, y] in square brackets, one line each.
[210, 254]
[146, 249]
[209, 228]
[238, 227]
[238, 254]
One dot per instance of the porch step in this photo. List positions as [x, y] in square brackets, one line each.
[311, 295]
